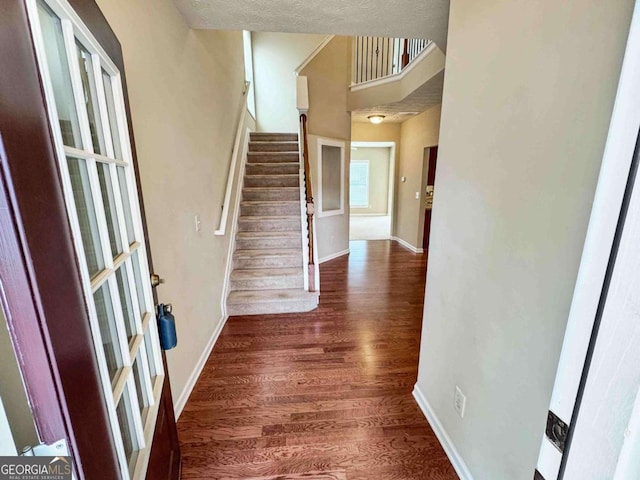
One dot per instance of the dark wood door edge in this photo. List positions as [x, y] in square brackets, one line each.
[23, 313]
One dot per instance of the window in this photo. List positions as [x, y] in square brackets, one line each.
[359, 184]
[248, 71]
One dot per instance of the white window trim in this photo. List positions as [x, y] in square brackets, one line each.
[367, 203]
[247, 43]
[330, 143]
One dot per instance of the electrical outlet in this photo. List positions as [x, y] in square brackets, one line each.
[459, 401]
[417, 195]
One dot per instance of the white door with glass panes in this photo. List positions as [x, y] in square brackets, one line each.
[87, 114]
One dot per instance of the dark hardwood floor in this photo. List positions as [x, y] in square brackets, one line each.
[320, 395]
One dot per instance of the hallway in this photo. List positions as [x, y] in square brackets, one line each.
[325, 394]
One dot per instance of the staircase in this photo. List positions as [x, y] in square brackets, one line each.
[267, 275]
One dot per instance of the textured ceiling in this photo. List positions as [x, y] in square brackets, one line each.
[425, 97]
[385, 18]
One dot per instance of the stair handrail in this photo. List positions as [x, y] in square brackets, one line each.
[309, 202]
[235, 153]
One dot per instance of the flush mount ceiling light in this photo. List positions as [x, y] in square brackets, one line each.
[376, 118]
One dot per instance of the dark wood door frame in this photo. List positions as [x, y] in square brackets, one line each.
[431, 178]
[39, 214]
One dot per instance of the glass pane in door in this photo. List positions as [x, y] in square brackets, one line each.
[124, 194]
[60, 78]
[111, 112]
[142, 301]
[127, 428]
[141, 380]
[90, 98]
[150, 346]
[125, 300]
[108, 330]
[108, 199]
[87, 219]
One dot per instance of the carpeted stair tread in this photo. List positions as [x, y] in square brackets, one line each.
[274, 181]
[269, 164]
[273, 137]
[257, 218]
[273, 157]
[281, 234]
[250, 273]
[274, 252]
[288, 175]
[269, 202]
[268, 194]
[273, 146]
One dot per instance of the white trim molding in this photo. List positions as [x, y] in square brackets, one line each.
[334, 255]
[302, 98]
[183, 398]
[443, 437]
[313, 54]
[342, 145]
[407, 245]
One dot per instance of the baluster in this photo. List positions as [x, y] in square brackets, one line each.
[377, 55]
[405, 55]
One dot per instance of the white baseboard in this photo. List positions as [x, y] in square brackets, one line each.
[407, 245]
[449, 448]
[334, 255]
[195, 374]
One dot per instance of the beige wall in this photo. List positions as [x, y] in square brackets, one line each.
[328, 77]
[379, 158]
[275, 58]
[528, 95]
[383, 132]
[417, 133]
[185, 90]
[12, 392]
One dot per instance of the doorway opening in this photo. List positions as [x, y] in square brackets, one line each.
[371, 190]
[429, 163]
